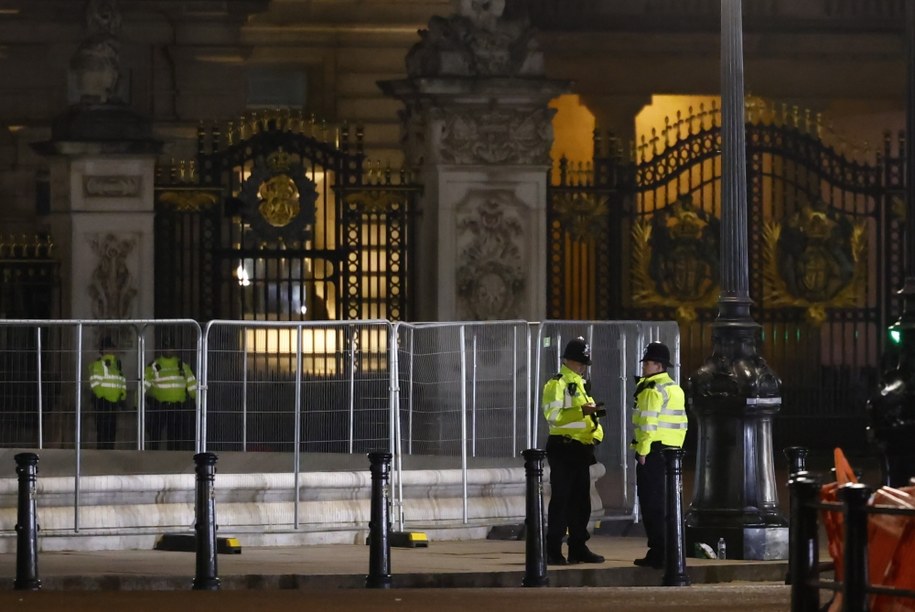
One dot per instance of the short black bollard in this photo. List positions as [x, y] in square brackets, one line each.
[27, 524]
[854, 501]
[379, 576]
[803, 545]
[797, 465]
[674, 546]
[534, 542]
[797, 460]
[206, 578]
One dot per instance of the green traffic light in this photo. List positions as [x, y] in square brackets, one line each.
[895, 335]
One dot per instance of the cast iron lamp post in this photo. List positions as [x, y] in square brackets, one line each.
[735, 394]
[891, 409]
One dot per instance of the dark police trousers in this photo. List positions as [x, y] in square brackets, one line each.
[570, 498]
[649, 479]
[106, 422]
[176, 418]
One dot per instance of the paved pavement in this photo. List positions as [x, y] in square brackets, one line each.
[702, 598]
[460, 564]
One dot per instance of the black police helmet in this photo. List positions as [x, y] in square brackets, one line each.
[659, 352]
[578, 350]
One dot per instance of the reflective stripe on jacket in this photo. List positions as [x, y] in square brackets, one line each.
[563, 397]
[660, 413]
[170, 380]
[106, 380]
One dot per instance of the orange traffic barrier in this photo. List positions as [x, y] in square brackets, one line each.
[890, 540]
[833, 521]
[891, 549]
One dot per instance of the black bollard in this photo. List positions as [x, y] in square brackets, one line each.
[854, 589]
[27, 524]
[797, 465]
[379, 576]
[803, 545]
[534, 542]
[674, 545]
[206, 578]
[797, 460]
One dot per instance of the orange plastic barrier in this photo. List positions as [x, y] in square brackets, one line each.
[891, 549]
[834, 522]
[890, 540]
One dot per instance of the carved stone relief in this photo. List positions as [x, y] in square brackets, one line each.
[112, 186]
[497, 137]
[95, 67]
[491, 248]
[477, 41]
[112, 287]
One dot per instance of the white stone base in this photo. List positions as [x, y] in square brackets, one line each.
[122, 512]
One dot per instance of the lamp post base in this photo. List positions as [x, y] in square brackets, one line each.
[749, 543]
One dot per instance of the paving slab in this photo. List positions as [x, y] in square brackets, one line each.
[453, 564]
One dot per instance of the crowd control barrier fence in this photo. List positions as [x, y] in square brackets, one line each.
[457, 396]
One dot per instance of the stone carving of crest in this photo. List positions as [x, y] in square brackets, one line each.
[676, 259]
[475, 42]
[815, 259]
[112, 287]
[497, 137]
[490, 275]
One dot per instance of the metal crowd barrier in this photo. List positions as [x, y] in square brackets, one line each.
[455, 395]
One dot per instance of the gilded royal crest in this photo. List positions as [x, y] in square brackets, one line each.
[279, 200]
[581, 214]
[676, 255]
[815, 260]
[278, 197]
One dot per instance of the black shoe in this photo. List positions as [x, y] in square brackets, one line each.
[556, 559]
[649, 562]
[584, 555]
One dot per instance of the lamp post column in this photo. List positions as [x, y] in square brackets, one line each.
[891, 409]
[735, 393]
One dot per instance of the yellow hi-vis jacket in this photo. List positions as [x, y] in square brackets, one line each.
[563, 397]
[660, 413]
[170, 380]
[106, 380]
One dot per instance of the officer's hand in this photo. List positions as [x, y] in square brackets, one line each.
[589, 409]
[640, 459]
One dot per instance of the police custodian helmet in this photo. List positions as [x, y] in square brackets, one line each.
[578, 350]
[658, 352]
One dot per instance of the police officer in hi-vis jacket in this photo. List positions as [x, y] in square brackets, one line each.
[109, 390]
[171, 389]
[574, 431]
[660, 422]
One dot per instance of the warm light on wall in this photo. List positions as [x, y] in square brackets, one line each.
[573, 129]
[322, 348]
[662, 107]
[319, 347]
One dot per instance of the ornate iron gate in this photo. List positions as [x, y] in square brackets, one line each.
[823, 243]
[274, 222]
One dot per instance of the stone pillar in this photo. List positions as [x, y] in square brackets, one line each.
[478, 134]
[102, 162]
